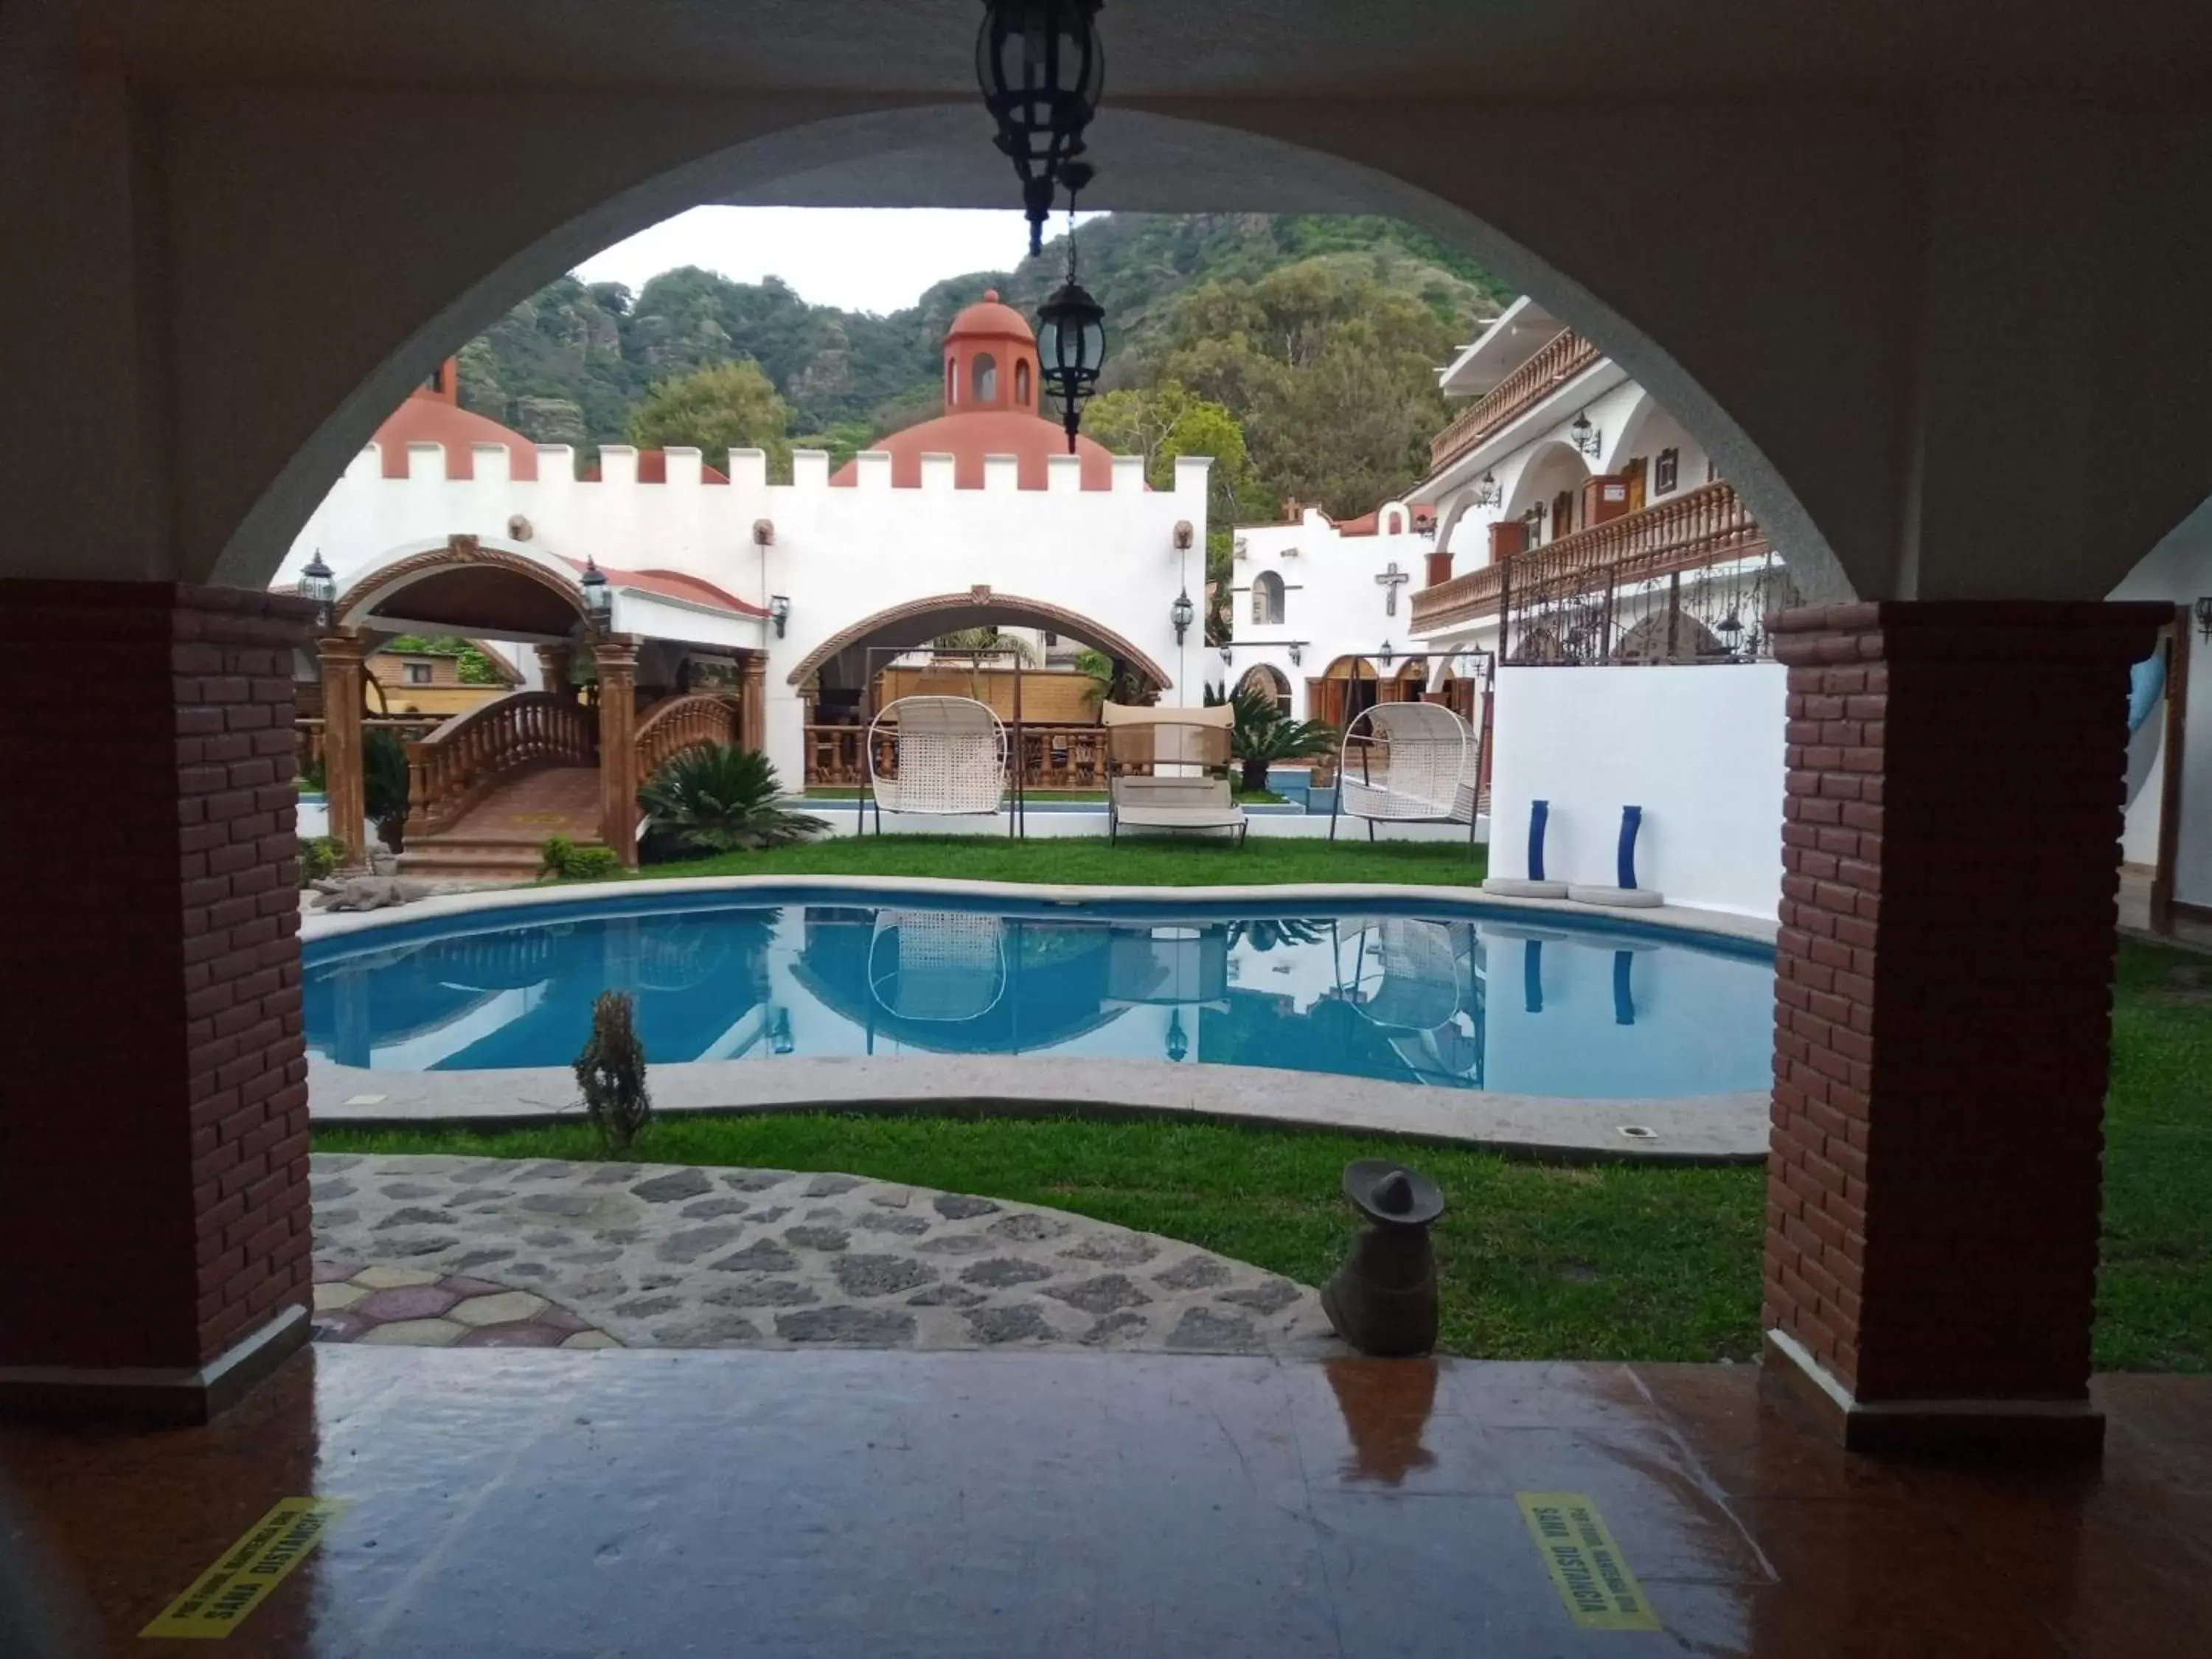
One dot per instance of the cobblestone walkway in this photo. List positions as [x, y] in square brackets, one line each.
[659, 1257]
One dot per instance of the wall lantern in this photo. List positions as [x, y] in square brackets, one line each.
[779, 608]
[1041, 67]
[1587, 438]
[1730, 629]
[2204, 617]
[317, 583]
[1071, 344]
[1487, 494]
[1180, 613]
[1297, 653]
[598, 597]
[1386, 653]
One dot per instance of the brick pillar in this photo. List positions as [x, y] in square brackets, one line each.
[1952, 827]
[753, 702]
[1439, 566]
[618, 661]
[154, 1228]
[344, 787]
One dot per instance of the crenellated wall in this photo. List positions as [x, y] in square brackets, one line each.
[841, 554]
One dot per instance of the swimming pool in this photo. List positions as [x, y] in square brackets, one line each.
[1439, 994]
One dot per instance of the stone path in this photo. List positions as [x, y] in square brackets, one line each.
[659, 1257]
[422, 1308]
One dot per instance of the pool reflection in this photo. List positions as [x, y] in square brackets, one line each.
[1397, 998]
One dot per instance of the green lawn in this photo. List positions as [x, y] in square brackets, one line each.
[1140, 861]
[1536, 1262]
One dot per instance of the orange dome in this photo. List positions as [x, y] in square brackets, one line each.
[427, 418]
[969, 438]
[989, 319]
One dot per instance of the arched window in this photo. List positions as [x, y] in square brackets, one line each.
[1266, 597]
[1021, 384]
[1394, 521]
[987, 379]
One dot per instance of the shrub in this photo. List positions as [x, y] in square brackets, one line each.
[611, 1074]
[568, 861]
[319, 856]
[315, 776]
[1263, 735]
[384, 783]
[722, 798]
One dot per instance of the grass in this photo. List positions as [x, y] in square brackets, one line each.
[1535, 1261]
[1089, 860]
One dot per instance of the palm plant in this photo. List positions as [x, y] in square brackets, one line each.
[1106, 684]
[977, 643]
[1264, 735]
[722, 798]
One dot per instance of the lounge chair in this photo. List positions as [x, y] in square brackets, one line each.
[1168, 768]
[950, 759]
[1408, 763]
[941, 965]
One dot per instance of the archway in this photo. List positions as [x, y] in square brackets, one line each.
[1552, 471]
[841, 660]
[1266, 599]
[1343, 691]
[1269, 682]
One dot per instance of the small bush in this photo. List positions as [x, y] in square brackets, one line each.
[567, 860]
[319, 856]
[314, 776]
[611, 1072]
[722, 798]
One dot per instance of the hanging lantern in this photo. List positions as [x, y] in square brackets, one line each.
[1587, 438]
[1041, 67]
[1071, 346]
[1487, 494]
[1180, 613]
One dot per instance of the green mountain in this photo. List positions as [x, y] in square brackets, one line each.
[571, 362]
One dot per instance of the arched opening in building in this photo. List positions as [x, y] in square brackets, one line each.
[986, 378]
[1343, 691]
[1023, 398]
[1266, 599]
[1269, 682]
[1543, 497]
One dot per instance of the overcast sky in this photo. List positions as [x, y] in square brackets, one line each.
[859, 258]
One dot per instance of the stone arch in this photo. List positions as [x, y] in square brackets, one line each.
[268, 488]
[919, 620]
[553, 590]
[1267, 678]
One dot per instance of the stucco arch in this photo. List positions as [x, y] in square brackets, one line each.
[531, 574]
[916, 622]
[921, 155]
[1550, 468]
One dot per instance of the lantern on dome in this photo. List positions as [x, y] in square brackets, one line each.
[1041, 67]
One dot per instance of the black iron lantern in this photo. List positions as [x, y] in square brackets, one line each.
[779, 610]
[1041, 67]
[1587, 438]
[1180, 613]
[318, 583]
[2204, 617]
[598, 597]
[1178, 1044]
[1071, 346]
[1487, 494]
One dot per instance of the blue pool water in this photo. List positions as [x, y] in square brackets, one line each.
[1431, 995]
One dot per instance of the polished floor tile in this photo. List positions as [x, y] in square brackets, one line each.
[525, 1503]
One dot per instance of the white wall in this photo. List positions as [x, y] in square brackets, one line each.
[2179, 571]
[1700, 750]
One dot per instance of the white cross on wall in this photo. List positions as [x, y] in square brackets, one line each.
[1392, 580]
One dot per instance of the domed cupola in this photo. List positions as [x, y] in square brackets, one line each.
[990, 359]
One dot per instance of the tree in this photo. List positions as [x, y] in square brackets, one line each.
[1264, 735]
[977, 643]
[729, 406]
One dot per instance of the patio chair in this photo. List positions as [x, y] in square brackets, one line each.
[950, 759]
[941, 965]
[1406, 763]
[1168, 768]
[1410, 980]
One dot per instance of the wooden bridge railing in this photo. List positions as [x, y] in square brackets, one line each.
[457, 765]
[675, 724]
[1051, 756]
[307, 734]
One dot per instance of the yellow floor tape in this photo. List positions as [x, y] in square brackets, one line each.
[220, 1598]
[1588, 1567]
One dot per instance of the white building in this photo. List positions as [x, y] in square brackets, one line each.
[796, 594]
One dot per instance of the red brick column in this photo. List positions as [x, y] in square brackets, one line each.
[1953, 820]
[153, 1226]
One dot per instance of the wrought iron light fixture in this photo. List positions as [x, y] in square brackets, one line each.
[779, 609]
[1180, 613]
[1040, 66]
[598, 597]
[1386, 653]
[2204, 616]
[1071, 340]
[1487, 493]
[1587, 438]
[1178, 1044]
[318, 583]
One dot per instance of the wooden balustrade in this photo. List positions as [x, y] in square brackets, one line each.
[307, 733]
[1051, 756]
[455, 766]
[695, 720]
[1559, 360]
[1699, 527]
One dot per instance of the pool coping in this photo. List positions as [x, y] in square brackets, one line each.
[1714, 1128]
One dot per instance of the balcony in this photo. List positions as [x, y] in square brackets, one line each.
[1690, 532]
[1558, 361]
